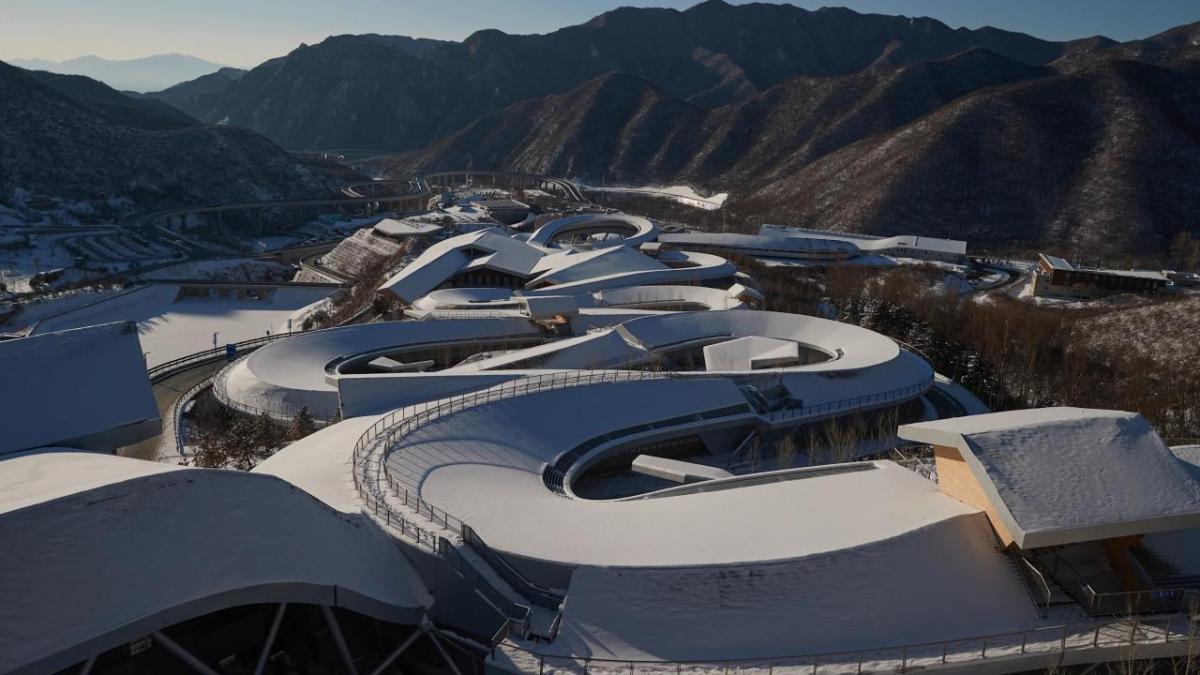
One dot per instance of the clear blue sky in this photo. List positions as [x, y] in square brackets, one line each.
[247, 32]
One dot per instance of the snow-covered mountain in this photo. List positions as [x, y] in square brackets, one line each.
[78, 140]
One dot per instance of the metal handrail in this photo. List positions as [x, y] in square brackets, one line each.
[168, 368]
[849, 403]
[177, 413]
[401, 422]
[1123, 603]
[1032, 572]
[1044, 640]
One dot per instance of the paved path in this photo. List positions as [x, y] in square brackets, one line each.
[166, 393]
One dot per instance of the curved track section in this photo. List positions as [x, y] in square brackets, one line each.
[467, 473]
[465, 302]
[171, 544]
[285, 376]
[830, 365]
[629, 230]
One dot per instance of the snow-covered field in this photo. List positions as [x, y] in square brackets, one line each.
[170, 328]
[677, 193]
[41, 308]
[234, 269]
[45, 252]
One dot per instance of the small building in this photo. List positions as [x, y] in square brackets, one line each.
[400, 230]
[1057, 276]
[818, 246]
[507, 211]
[1183, 279]
[1073, 493]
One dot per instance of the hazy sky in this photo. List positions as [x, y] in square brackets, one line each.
[247, 32]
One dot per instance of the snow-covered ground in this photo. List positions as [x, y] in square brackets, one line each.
[234, 269]
[682, 194]
[35, 310]
[45, 252]
[170, 328]
[275, 242]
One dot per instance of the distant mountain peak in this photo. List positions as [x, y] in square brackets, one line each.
[147, 73]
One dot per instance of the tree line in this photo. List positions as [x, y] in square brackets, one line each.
[1011, 354]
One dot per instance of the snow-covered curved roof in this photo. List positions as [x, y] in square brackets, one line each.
[290, 374]
[630, 230]
[100, 549]
[447, 465]
[468, 475]
[84, 388]
[895, 245]
[459, 300]
[549, 270]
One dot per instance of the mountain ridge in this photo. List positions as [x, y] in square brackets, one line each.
[710, 55]
[147, 73]
[77, 139]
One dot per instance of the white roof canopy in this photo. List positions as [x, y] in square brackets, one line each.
[1066, 475]
[85, 388]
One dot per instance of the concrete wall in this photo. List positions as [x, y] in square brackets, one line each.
[956, 480]
[376, 394]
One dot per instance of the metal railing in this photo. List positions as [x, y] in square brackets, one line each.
[1034, 581]
[517, 615]
[278, 411]
[165, 370]
[537, 594]
[376, 446]
[1150, 601]
[176, 422]
[853, 403]
[1047, 642]
[554, 475]
[376, 443]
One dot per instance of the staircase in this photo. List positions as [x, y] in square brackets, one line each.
[1162, 572]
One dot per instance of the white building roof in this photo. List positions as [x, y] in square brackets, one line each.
[574, 266]
[757, 242]
[172, 325]
[1056, 263]
[441, 261]
[1061, 264]
[574, 271]
[85, 388]
[99, 550]
[871, 243]
[940, 582]
[390, 227]
[1065, 475]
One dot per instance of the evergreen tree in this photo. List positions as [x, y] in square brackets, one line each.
[302, 425]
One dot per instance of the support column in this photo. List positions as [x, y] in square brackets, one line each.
[339, 640]
[270, 641]
[442, 650]
[183, 654]
[408, 641]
